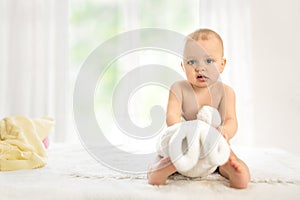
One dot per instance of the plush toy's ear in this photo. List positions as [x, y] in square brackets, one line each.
[162, 145]
[221, 152]
[184, 146]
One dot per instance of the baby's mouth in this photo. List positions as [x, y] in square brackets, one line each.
[201, 77]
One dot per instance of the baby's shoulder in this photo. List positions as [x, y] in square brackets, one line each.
[180, 88]
[180, 85]
[219, 85]
[221, 89]
[228, 90]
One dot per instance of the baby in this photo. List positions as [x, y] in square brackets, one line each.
[202, 63]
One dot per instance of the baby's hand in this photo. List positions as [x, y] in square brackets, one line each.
[220, 129]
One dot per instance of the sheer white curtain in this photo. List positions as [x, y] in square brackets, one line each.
[34, 61]
[232, 20]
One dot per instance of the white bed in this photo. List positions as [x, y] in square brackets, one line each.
[72, 174]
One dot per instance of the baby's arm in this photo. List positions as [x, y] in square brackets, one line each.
[174, 106]
[230, 125]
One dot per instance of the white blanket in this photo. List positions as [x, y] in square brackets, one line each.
[72, 174]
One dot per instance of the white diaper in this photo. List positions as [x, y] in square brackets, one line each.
[195, 147]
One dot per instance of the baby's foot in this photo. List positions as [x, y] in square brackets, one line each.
[235, 164]
[236, 171]
[159, 173]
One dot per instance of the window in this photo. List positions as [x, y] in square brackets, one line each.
[93, 22]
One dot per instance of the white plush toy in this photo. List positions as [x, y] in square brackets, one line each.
[195, 147]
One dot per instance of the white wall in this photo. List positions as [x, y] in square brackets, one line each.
[276, 73]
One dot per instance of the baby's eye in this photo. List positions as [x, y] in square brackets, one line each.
[191, 62]
[209, 61]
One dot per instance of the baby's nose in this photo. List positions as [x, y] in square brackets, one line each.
[200, 69]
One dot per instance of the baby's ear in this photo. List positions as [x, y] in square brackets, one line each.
[223, 64]
[182, 66]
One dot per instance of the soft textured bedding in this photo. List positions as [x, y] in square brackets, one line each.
[21, 142]
[71, 173]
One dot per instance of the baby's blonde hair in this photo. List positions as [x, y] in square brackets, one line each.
[205, 34]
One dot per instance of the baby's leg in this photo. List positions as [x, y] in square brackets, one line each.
[236, 171]
[158, 174]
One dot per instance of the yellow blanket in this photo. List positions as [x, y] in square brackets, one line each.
[21, 145]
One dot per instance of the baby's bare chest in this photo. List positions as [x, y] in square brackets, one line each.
[193, 101]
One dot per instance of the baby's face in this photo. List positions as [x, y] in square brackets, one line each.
[203, 61]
